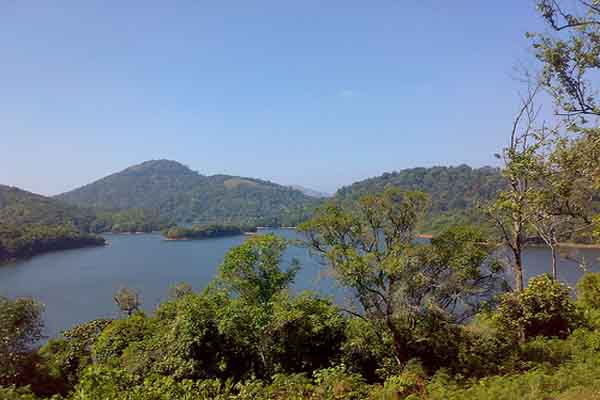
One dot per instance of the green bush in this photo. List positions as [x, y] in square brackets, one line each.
[13, 393]
[118, 335]
[544, 308]
[588, 291]
[65, 358]
[20, 328]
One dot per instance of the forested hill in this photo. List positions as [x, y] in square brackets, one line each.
[450, 188]
[454, 191]
[19, 207]
[187, 196]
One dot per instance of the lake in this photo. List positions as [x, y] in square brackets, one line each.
[77, 285]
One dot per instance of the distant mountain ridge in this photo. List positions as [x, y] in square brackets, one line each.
[184, 195]
[21, 207]
[311, 192]
[450, 188]
[454, 192]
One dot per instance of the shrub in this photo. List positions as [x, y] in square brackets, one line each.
[67, 357]
[544, 308]
[12, 393]
[117, 336]
[20, 328]
[588, 291]
[410, 384]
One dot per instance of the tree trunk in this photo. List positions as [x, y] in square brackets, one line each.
[554, 263]
[517, 248]
[399, 347]
[518, 270]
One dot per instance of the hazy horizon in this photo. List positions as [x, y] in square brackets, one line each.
[298, 94]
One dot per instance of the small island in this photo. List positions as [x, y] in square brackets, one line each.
[28, 240]
[198, 232]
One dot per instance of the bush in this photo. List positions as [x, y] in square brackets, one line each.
[66, 358]
[588, 291]
[544, 308]
[12, 393]
[483, 352]
[118, 335]
[410, 384]
[20, 328]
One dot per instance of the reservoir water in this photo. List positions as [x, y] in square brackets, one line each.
[77, 285]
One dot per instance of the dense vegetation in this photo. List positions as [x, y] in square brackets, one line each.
[205, 231]
[454, 192]
[19, 241]
[248, 337]
[183, 195]
[429, 320]
[131, 221]
[449, 188]
[20, 207]
[31, 224]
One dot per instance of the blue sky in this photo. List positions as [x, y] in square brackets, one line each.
[313, 93]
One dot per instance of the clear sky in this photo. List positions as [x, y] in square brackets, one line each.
[312, 92]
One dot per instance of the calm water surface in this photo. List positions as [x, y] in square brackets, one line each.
[77, 285]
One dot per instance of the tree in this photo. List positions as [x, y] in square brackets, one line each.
[128, 301]
[513, 211]
[545, 308]
[21, 326]
[562, 198]
[253, 270]
[570, 57]
[279, 332]
[67, 357]
[402, 287]
[179, 290]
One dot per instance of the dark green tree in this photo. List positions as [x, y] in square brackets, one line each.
[402, 287]
[21, 327]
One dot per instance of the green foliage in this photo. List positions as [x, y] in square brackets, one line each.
[128, 300]
[182, 341]
[588, 291]
[482, 350]
[573, 380]
[130, 221]
[410, 384]
[253, 270]
[454, 192]
[66, 358]
[179, 290]
[183, 195]
[544, 308]
[118, 335]
[20, 327]
[13, 393]
[407, 291]
[284, 335]
[28, 240]
[205, 231]
[18, 207]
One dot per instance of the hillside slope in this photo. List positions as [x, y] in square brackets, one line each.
[454, 191]
[19, 207]
[187, 196]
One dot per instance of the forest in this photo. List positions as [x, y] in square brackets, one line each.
[205, 231]
[185, 196]
[451, 318]
[22, 241]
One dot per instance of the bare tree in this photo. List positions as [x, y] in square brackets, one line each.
[128, 300]
[511, 212]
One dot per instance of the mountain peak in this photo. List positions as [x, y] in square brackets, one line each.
[160, 166]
